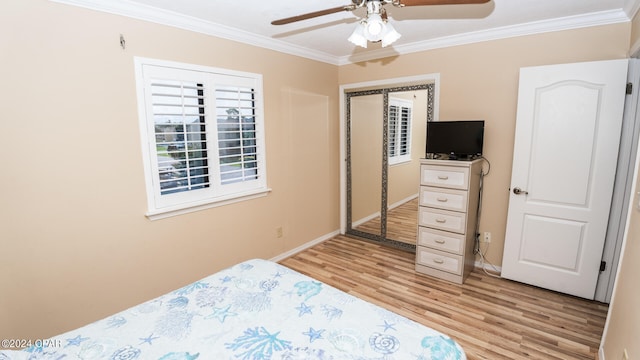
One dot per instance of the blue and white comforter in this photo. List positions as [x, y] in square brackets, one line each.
[256, 310]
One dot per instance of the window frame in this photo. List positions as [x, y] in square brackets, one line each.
[400, 103]
[165, 205]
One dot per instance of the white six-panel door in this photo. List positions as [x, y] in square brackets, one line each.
[566, 146]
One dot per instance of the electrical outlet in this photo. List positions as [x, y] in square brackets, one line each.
[279, 231]
[487, 237]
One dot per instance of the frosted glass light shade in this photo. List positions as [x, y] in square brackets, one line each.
[374, 29]
[390, 35]
[357, 37]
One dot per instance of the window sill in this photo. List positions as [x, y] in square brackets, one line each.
[158, 214]
[401, 161]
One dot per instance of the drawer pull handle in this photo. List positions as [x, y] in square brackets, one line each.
[443, 177]
[439, 241]
[442, 199]
[438, 261]
[441, 221]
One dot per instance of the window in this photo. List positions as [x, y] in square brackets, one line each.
[399, 130]
[202, 135]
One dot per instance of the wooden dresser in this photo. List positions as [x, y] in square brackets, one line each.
[447, 216]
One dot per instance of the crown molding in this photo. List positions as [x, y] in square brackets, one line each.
[531, 28]
[190, 23]
[148, 13]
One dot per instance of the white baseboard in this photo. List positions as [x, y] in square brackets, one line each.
[359, 222]
[402, 202]
[304, 246]
[365, 219]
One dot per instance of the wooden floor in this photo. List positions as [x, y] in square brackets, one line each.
[490, 318]
[402, 223]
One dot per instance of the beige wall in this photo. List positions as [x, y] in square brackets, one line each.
[480, 81]
[623, 323]
[634, 44]
[366, 156]
[74, 240]
[404, 178]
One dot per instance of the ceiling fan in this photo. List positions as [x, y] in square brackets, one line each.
[375, 26]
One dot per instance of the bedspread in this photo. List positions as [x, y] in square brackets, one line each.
[255, 310]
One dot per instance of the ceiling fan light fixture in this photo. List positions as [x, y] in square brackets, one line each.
[374, 27]
[390, 35]
[358, 37]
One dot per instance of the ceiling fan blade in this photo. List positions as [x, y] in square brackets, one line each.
[440, 2]
[312, 15]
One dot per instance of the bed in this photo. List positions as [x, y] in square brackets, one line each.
[255, 310]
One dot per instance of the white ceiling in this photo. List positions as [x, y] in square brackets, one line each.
[325, 38]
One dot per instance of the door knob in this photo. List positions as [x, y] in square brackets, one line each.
[518, 191]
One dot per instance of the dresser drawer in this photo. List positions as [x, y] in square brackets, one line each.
[441, 240]
[439, 260]
[448, 199]
[445, 176]
[442, 219]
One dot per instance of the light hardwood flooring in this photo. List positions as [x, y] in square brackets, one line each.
[402, 223]
[491, 318]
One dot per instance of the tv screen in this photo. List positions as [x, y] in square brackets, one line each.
[457, 139]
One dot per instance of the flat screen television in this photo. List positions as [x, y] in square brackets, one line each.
[455, 139]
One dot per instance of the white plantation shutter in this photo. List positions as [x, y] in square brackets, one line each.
[237, 141]
[400, 112]
[180, 135]
[204, 131]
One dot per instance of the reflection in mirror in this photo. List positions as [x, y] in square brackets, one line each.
[407, 120]
[366, 162]
[385, 139]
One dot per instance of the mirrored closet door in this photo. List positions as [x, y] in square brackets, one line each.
[385, 140]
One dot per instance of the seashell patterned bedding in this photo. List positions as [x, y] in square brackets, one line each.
[255, 310]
